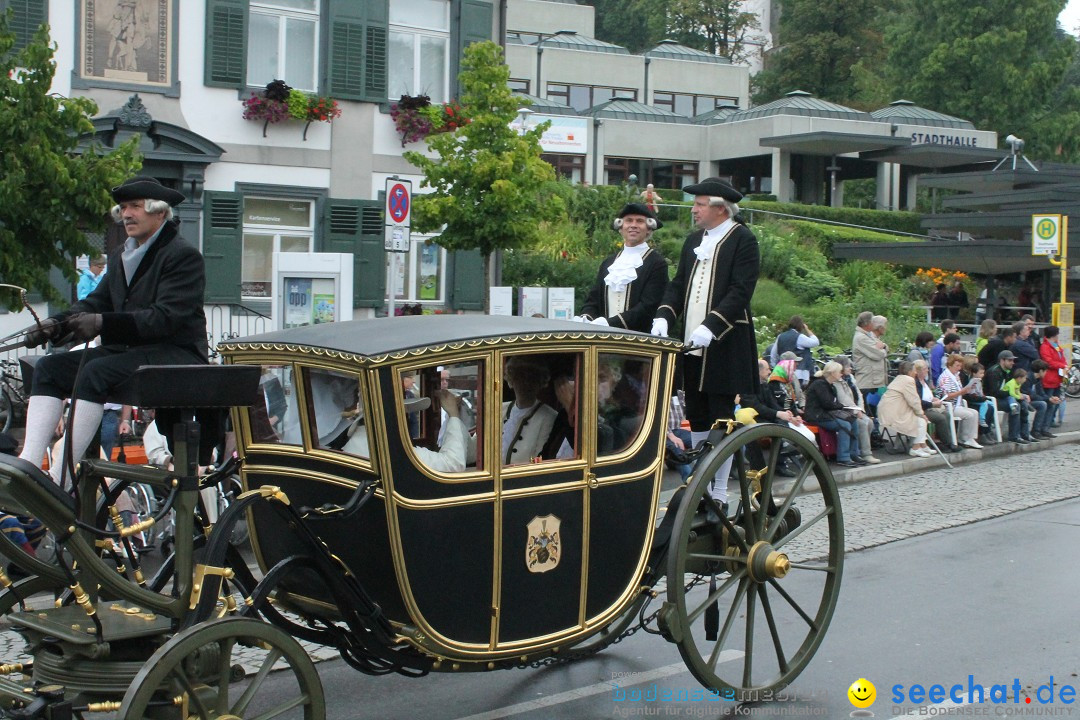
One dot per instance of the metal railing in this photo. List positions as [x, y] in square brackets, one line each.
[227, 321]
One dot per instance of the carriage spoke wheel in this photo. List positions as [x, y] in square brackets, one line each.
[751, 596]
[219, 670]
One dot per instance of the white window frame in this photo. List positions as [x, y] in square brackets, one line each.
[414, 87]
[276, 231]
[269, 8]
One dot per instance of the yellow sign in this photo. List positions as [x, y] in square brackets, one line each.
[1045, 234]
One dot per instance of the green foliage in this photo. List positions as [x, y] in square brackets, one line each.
[825, 236]
[719, 27]
[798, 265]
[819, 42]
[525, 268]
[637, 25]
[881, 219]
[50, 194]
[489, 186]
[997, 63]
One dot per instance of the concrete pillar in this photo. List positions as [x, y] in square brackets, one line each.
[912, 191]
[812, 180]
[883, 186]
[838, 193]
[781, 175]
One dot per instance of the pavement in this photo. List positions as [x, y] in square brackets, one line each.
[882, 503]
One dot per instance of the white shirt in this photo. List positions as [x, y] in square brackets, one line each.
[622, 272]
[697, 306]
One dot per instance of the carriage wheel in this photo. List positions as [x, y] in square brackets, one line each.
[751, 596]
[218, 670]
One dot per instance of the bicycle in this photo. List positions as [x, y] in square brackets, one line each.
[13, 398]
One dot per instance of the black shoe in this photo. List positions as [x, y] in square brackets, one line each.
[846, 463]
[988, 440]
[710, 514]
[858, 461]
[785, 469]
[1031, 439]
[1047, 435]
[1019, 441]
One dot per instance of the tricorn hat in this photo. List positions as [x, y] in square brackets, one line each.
[141, 187]
[714, 187]
[639, 209]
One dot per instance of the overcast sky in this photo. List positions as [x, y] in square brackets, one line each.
[1070, 16]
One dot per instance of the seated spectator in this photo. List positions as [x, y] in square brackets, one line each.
[971, 372]
[933, 406]
[987, 330]
[1043, 402]
[1023, 346]
[954, 392]
[947, 326]
[1053, 355]
[901, 410]
[949, 344]
[825, 410]
[782, 384]
[924, 342]
[988, 356]
[678, 439]
[994, 384]
[768, 408]
[850, 396]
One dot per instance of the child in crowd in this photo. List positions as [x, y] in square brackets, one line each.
[977, 373]
[1014, 386]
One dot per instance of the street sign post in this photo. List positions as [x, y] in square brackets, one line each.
[1046, 235]
[398, 236]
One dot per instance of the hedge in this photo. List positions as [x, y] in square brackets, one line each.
[884, 219]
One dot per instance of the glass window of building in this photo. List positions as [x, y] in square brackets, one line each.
[283, 42]
[419, 46]
[689, 105]
[571, 167]
[661, 173]
[583, 97]
[518, 85]
[272, 225]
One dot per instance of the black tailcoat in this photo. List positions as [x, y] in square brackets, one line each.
[646, 291]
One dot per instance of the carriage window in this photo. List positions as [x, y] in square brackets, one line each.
[622, 395]
[539, 408]
[441, 404]
[336, 412]
[275, 419]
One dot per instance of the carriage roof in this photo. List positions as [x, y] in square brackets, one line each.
[378, 339]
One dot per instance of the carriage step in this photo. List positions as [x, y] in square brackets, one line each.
[119, 621]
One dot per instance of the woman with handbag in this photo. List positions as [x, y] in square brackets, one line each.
[825, 410]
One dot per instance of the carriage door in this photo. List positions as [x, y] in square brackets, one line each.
[542, 486]
[627, 466]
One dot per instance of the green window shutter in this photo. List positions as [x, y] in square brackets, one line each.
[29, 15]
[356, 226]
[358, 46]
[474, 25]
[469, 281]
[223, 229]
[226, 43]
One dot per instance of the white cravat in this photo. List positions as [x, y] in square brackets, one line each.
[712, 238]
[623, 269]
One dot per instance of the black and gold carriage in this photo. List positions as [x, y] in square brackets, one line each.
[460, 493]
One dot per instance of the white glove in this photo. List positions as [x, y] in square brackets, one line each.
[659, 327]
[579, 318]
[600, 321]
[701, 337]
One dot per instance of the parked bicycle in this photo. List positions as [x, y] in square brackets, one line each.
[1071, 382]
[13, 397]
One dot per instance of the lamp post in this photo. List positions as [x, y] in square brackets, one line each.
[523, 114]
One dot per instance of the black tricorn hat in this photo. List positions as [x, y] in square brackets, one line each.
[141, 187]
[714, 187]
[639, 209]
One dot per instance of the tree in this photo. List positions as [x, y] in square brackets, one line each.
[996, 63]
[637, 25]
[490, 188]
[719, 27]
[50, 193]
[818, 43]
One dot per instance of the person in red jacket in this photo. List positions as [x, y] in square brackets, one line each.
[1054, 355]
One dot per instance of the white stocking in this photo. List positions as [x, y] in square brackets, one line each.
[718, 488]
[87, 421]
[42, 415]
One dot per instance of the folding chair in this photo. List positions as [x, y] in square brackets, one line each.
[999, 417]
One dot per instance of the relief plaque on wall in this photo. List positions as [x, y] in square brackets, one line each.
[127, 42]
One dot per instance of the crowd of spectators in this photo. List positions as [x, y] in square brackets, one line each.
[943, 387]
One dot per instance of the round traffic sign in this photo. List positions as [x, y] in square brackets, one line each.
[1046, 228]
[398, 203]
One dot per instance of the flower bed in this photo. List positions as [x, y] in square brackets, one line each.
[279, 102]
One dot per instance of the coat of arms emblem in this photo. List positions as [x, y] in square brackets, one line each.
[543, 549]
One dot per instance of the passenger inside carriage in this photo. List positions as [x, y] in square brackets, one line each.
[537, 415]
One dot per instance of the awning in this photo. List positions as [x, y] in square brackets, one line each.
[984, 257]
[832, 143]
[928, 155]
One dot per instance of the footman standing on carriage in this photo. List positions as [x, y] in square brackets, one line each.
[148, 311]
[630, 283]
[711, 292]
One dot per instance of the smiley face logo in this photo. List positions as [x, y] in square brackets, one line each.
[862, 693]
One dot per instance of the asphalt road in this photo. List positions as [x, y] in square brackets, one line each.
[949, 574]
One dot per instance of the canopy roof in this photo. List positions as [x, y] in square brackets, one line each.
[799, 102]
[985, 257]
[673, 50]
[832, 143]
[908, 113]
[622, 108]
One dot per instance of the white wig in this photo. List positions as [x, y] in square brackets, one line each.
[732, 208]
[152, 207]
